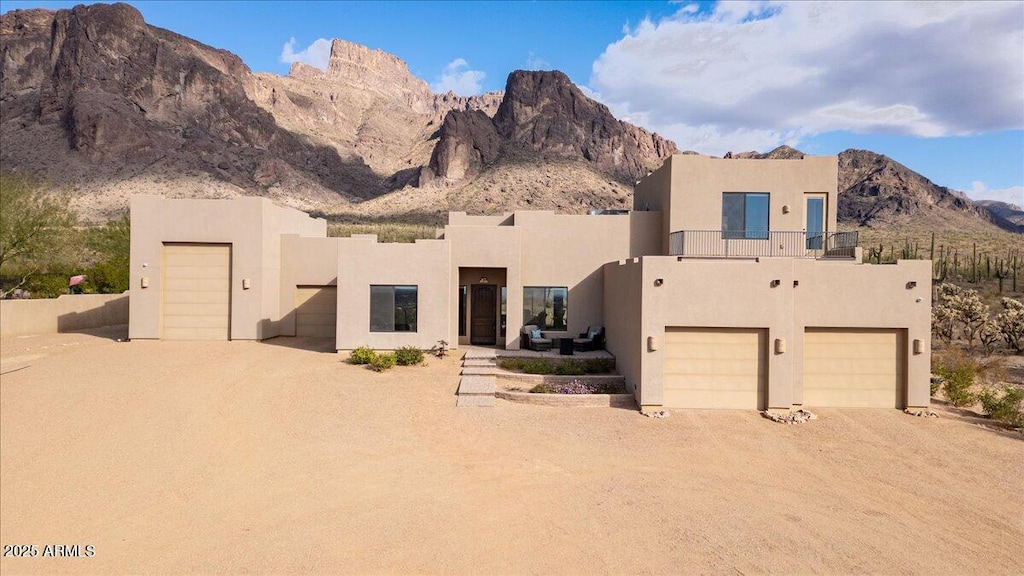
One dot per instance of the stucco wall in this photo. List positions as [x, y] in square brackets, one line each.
[62, 314]
[739, 294]
[363, 262]
[252, 226]
[623, 311]
[304, 262]
[697, 183]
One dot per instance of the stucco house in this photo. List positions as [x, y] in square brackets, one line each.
[726, 286]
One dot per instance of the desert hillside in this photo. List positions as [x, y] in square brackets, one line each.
[95, 101]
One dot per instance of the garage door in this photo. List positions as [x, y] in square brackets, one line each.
[316, 311]
[196, 291]
[853, 368]
[714, 368]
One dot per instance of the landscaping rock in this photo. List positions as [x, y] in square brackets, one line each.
[926, 413]
[795, 417]
[656, 414]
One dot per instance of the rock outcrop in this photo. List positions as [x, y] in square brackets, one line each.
[124, 96]
[877, 191]
[545, 112]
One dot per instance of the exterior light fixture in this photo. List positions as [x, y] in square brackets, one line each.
[911, 285]
[785, 209]
[484, 280]
[775, 283]
[659, 281]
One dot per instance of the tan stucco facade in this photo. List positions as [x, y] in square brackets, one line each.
[617, 271]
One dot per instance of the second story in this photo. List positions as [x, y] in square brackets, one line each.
[715, 207]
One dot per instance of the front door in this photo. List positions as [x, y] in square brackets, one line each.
[483, 314]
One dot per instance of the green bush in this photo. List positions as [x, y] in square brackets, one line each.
[409, 356]
[569, 367]
[537, 366]
[514, 364]
[544, 389]
[598, 365]
[362, 355]
[1007, 407]
[382, 362]
[958, 373]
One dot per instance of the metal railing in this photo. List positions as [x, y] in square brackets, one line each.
[755, 243]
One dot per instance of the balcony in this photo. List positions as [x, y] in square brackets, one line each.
[756, 243]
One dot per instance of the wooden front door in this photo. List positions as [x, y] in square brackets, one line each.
[483, 314]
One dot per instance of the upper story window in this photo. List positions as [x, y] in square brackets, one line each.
[745, 215]
[393, 308]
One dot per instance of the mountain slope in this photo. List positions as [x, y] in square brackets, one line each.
[96, 101]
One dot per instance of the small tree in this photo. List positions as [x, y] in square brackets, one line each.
[112, 245]
[1011, 323]
[34, 226]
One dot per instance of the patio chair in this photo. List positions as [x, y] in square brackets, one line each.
[592, 339]
[532, 339]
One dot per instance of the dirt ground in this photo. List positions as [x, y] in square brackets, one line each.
[173, 457]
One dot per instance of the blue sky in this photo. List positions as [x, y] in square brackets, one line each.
[936, 86]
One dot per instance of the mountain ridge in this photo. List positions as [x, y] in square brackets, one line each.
[97, 101]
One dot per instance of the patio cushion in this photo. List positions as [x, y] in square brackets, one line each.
[535, 335]
[540, 340]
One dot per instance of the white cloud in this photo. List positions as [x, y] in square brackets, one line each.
[458, 78]
[535, 62]
[770, 72]
[1011, 195]
[316, 54]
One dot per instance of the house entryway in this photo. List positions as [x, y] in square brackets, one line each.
[482, 306]
[484, 324]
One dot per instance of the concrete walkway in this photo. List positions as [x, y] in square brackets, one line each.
[478, 382]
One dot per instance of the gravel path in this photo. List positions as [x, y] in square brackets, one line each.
[174, 457]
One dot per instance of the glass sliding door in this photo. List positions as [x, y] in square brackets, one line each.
[815, 221]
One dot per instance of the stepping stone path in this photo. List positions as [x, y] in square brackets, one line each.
[478, 382]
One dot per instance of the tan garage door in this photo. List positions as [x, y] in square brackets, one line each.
[853, 368]
[316, 311]
[197, 291]
[714, 368]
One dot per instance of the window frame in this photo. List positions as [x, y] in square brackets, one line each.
[395, 308]
[548, 292]
[746, 233]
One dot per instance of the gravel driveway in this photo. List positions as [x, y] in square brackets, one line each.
[176, 457]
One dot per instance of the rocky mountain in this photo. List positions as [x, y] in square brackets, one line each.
[877, 191]
[1008, 216]
[96, 101]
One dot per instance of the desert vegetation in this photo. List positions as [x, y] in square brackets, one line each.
[978, 346]
[382, 361]
[43, 244]
[561, 367]
[386, 232]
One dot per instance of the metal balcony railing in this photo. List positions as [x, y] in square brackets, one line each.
[754, 243]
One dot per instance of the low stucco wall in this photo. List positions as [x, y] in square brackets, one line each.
[62, 314]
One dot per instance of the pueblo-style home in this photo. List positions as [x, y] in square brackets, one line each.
[726, 286]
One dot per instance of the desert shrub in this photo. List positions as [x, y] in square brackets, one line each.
[362, 355]
[989, 336]
[598, 365]
[544, 388]
[936, 384]
[958, 372]
[408, 356]
[943, 319]
[954, 307]
[1006, 407]
[514, 364]
[609, 388]
[1010, 323]
[382, 362]
[537, 366]
[569, 367]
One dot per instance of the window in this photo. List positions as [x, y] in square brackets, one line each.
[504, 308]
[745, 215]
[462, 309]
[546, 307]
[393, 308]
